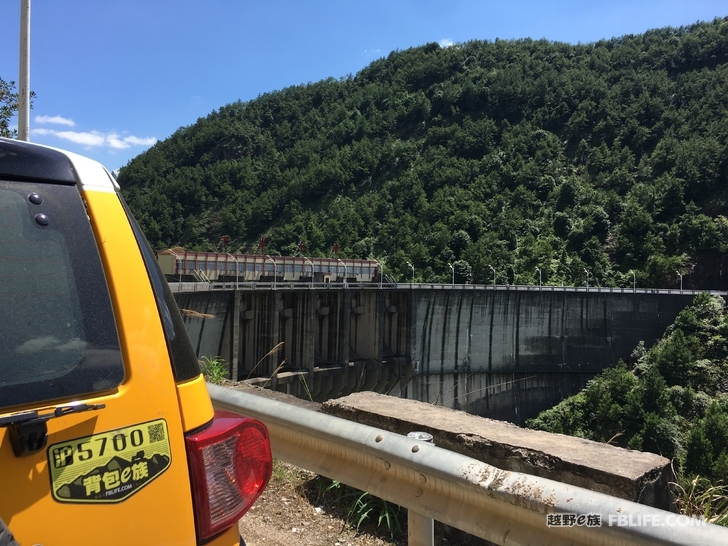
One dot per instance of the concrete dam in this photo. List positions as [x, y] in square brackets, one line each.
[500, 352]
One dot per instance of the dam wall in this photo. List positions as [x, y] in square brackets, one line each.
[509, 354]
[504, 353]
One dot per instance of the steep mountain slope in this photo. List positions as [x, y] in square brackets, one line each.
[521, 155]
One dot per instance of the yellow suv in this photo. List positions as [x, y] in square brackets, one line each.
[107, 432]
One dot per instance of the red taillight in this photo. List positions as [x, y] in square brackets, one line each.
[230, 464]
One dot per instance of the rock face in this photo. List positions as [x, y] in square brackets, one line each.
[630, 475]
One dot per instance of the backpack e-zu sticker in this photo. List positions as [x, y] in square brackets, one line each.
[111, 466]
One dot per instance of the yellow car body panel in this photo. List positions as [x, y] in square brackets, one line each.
[194, 403]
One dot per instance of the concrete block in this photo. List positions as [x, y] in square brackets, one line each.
[627, 474]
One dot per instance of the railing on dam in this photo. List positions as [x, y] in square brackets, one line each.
[501, 506]
[286, 286]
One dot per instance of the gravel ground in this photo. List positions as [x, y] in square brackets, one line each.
[289, 513]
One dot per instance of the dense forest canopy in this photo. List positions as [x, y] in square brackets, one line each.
[522, 155]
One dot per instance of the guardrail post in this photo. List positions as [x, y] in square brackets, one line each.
[420, 528]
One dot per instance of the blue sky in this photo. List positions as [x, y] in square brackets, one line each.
[112, 77]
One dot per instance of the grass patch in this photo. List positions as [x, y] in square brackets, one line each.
[214, 369]
[699, 497]
[359, 507]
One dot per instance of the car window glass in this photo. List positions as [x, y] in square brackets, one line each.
[42, 335]
[57, 332]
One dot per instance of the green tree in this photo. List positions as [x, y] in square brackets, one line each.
[8, 108]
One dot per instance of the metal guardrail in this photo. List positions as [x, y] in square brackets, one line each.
[285, 286]
[500, 506]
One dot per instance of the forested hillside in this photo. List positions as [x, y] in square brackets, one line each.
[671, 400]
[607, 157]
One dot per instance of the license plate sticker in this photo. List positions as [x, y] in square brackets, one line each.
[111, 466]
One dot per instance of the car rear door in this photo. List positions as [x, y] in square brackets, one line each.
[91, 434]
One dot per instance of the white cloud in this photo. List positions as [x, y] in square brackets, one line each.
[82, 137]
[114, 142]
[55, 119]
[94, 139]
[136, 141]
[37, 344]
[446, 42]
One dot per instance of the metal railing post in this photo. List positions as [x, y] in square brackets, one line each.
[420, 528]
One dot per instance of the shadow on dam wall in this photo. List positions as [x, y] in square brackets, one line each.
[501, 353]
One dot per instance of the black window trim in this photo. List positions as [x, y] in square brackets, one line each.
[185, 365]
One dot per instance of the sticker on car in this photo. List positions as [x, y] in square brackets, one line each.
[111, 466]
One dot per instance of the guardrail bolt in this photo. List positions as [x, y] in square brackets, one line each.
[421, 436]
